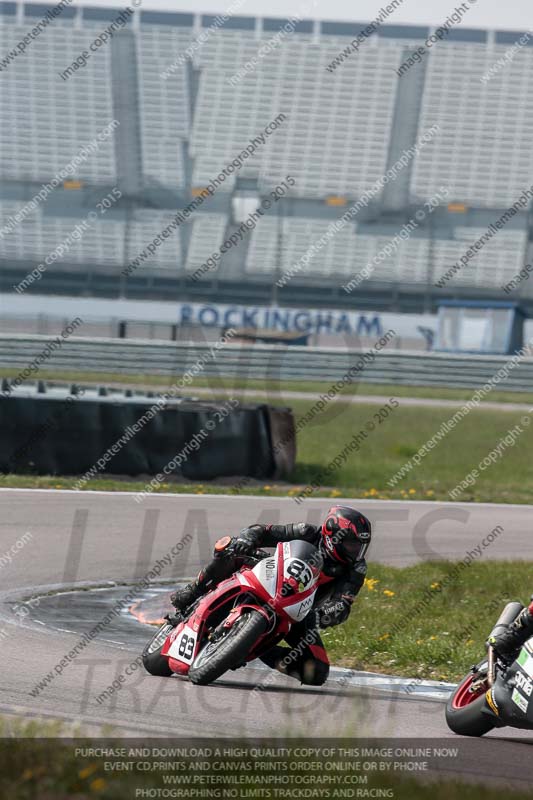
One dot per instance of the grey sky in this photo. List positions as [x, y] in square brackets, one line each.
[502, 14]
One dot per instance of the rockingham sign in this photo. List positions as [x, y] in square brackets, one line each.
[279, 319]
[323, 322]
[286, 320]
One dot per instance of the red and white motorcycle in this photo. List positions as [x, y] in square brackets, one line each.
[243, 617]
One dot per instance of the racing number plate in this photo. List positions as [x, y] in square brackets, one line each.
[183, 646]
[301, 572]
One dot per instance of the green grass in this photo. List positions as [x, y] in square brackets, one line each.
[266, 387]
[400, 625]
[392, 443]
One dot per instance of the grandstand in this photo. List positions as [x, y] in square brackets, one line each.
[181, 120]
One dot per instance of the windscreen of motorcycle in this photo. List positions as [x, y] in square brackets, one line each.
[303, 562]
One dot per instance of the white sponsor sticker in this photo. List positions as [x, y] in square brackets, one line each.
[298, 611]
[529, 645]
[520, 701]
[526, 662]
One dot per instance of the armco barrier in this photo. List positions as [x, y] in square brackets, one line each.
[262, 362]
[67, 432]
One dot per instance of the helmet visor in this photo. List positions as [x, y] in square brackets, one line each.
[352, 548]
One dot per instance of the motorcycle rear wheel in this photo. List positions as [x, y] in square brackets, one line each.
[230, 651]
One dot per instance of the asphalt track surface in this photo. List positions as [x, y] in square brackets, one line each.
[92, 539]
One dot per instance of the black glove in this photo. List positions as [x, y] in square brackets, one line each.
[241, 547]
[511, 638]
[334, 612]
[506, 642]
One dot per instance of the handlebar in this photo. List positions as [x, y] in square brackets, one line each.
[257, 556]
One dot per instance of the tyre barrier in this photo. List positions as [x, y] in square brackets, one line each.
[47, 430]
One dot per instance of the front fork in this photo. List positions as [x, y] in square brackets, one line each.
[486, 676]
[491, 672]
[487, 681]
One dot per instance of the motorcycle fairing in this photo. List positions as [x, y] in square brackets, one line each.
[286, 580]
[177, 647]
[513, 691]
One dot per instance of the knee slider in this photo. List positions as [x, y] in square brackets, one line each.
[315, 673]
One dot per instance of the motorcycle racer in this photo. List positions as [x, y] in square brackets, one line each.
[342, 541]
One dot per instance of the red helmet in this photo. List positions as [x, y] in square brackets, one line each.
[346, 534]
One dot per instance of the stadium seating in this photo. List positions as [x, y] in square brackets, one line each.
[336, 137]
[298, 235]
[206, 238]
[196, 115]
[145, 227]
[164, 106]
[483, 151]
[417, 260]
[100, 243]
[495, 264]
[45, 119]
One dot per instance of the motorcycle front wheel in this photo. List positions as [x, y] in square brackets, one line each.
[229, 650]
[464, 710]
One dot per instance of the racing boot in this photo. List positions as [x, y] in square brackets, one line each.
[183, 598]
[221, 567]
[513, 637]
